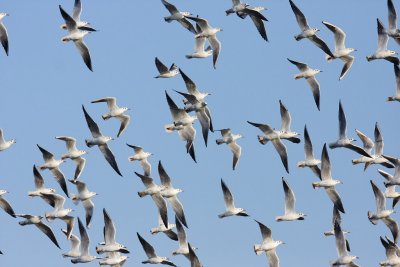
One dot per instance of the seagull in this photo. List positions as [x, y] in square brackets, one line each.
[85, 196]
[269, 245]
[273, 136]
[327, 181]
[395, 179]
[393, 31]
[76, 15]
[231, 210]
[3, 32]
[286, 120]
[183, 244]
[5, 205]
[340, 50]
[171, 194]
[368, 145]
[59, 211]
[114, 259]
[84, 256]
[183, 123]
[75, 244]
[344, 257]
[200, 96]
[397, 74]
[307, 31]
[178, 16]
[211, 34]
[336, 217]
[37, 221]
[308, 74]
[39, 185]
[76, 36]
[201, 114]
[199, 47]
[383, 213]
[343, 140]
[391, 254]
[151, 254]
[166, 230]
[73, 154]
[194, 260]
[53, 165]
[110, 245]
[230, 139]
[310, 161]
[164, 71]
[3, 143]
[115, 112]
[100, 141]
[154, 191]
[382, 52]
[390, 191]
[141, 155]
[290, 202]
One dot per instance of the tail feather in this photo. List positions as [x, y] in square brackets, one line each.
[75, 199]
[106, 116]
[329, 58]
[257, 249]
[141, 194]
[189, 56]
[219, 141]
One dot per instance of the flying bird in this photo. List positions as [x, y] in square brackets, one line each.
[84, 256]
[178, 16]
[100, 141]
[290, 201]
[340, 49]
[391, 251]
[163, 70]
[344, 257]
[151, 254]
[231, 210]
[310, 161]
[182, 240]
[75, 243]
[115, 112]
[3, 143]
[200, 49]
[74, 154]
[269, 245]
[76, 15]
[336, 217]
[309, 75]
[166, 230]
[84, 196]
[141, 155]
[286, 121]
[230, 139]
[396, 97]
[76, 36]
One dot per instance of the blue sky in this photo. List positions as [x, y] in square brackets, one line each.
[44, 83]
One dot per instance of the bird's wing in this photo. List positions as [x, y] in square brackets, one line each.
[171, 8]
[321, 44]
[60, 179]
[273, 259]
[148, 249]
[84, 51]
[181, 233]
[4, 37]
[285, 117]
[70, 142]
[39, 182]
[378, 140]
[47, 231]
[392, 15]
[290, 199]
[162, 207]
[383, 37]
[260, 26]
[301, 19]
[187, 25]
[6, 207]
[194, 260]
[308, 148]
[69, 21]
[89, 207]
[84, 248]
[124, 119]
[146, 167]
[178, 209]
[334, 196]
[111, 102]
[228, 197]
[237, 151]
[109, 228]
[379, 197]
[93, 127]
[340, 240]
[80, 164]
[164, 178]
[109, 156]
[2, 141]
[301, 66]
[76, 14]
[348, 61]
[265, 128]
[74, 240]
[216, 47]
[46, 154]
[265, 232]
[203, 23]
[339, 34]
[342, 122]
[281, 149]
[160, 66]
[314, 86]
[367, 142]
[190, 85]
[393, 227]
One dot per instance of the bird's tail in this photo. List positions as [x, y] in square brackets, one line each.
[219, 141]
[257, 249]
[168, 19]
[370, 218]
[189, 56]
[169, 128]
[88, 143]
[75, 199]
[298, 37]
[106, 116]
[314, 185]
[141, 194]
[23, 223]
[329, 58]
[262, 139]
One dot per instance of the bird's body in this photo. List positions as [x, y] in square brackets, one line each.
[3, 143]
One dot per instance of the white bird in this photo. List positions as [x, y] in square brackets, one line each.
[182, 240]
[200, 51]
[84, 196]
[73, 154]
[178, 16]
[340, 49]
[151, 254]
[393, 31]
[310, 161]
[3, 143]
[162, 229]
[53, 165]
[286, 120]
[59, 211]
[230, 139]
[327, 181]
[211, 34]
[76, 15]
[115, 112]
[39, 185]
[309, 75]
[271, 135]
[375, 158]
[269, 245]
[3, 32]
[395, 179]
[76, 36]
[183, 123]
[290, 201]
[75, 245]
[163, 70]
[154, 191]
[84, 256]
[114, 259]
[344, 257]
[141, 155]
[37, 221]
[307, 31]
[391, 254]
[382, 52]
[110, 245]
[396, 97]
[231, 210]
[100, 141]
[382, 213]
[390, 185]
[343, 140]
[171, 194]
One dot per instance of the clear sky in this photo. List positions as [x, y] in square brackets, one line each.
[44, 83]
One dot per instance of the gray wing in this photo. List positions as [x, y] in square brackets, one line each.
[348, 62]
[109, 157]
[76, 14]
[392, 15]
[379, 197]
[178, 209]
[308, 148]
[46, 154]
[55, 200]
[378, 140]
[340, 240]
[164, 178]
[39, 182]
[187, 25]
[260, 26]
[205, 123]
[393, 227]
[4, 37]
[181, 232]
[124, 119]
[301, 19]
[209, 116]
[160, 66]
[301, 66]
[237, 151]
[148, 249]
[265, 232]
[70, 142]
[321, 44]
[74, 240]
[111, 102]
[389, 249]
[171, 234]
[48, 232]
[339, 34]
[162, 207]
[146, 167]
[6, 207]
[273, 259]
[84, 248]
[285, 117]
[194, 260]
[69, 220]
[80, 164]
[2, 141]
[228, 197]
[190, 85]
[109, 228]
[383, 37]
[146, 180]
[84, 51]
[265, 128]
[290, 199]
[314, 86]
[336, 217]
[358, 149]
[93, 127]
[60, 179]
[171, 8]
[334, 196]
[281, 149]
[367, 142]
[342, 122]
[216, 47]
[69, 21]
[203, 23]
[89, 206]
[168, 262]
